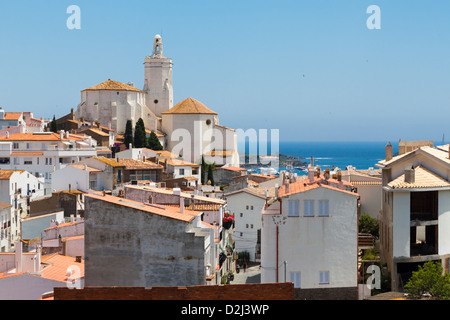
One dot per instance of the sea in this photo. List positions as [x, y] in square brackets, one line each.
[361, 155]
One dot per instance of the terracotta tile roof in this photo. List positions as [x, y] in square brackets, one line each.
[305, 185]
[220, 153]
[258, 192]
[109, 161]
[48, 136]
[27, 153]
[189, 106]
[12, 115]
[164, 153]
[6, 174]
[424, 178]
[57, 266]
[169, 212]
[114, 86]
[81, 167]
[62, 225]
[131, 164]
[176, 162]
[4, 205]
[236, 169]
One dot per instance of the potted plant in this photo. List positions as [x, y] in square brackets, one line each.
[228, 221]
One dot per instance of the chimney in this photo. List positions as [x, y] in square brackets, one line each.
[18, 256]
[37, 261]
[7, 134]
[311, 174]
[312, 161]
[409, 174]
[339, 178]
[181, 205]
[78, 259]
[389, 151]
[61, 134]
[72, 219]
[276, 190]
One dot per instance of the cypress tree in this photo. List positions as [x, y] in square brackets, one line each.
[128, 135]
[53, 127]
[210, 173]
[140, 139]
[153, 142]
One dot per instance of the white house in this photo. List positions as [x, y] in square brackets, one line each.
[181, 169]
[415, 210]
[44, 152]
[17, 188]
[29, 275]
[246, 205]
[310, 237]
[5, 221]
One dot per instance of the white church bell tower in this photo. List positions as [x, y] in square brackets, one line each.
[158, 79]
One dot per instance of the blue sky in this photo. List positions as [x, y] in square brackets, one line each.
[311, 69]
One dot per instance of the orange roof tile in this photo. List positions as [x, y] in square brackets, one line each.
[48, 136]
[58, 265]
[176, 162]
[189, 106]
[305, 185]
[423, 178]
[109, 161]
[6, 174]
[114, 86]
[27, 153]
[132, 164]
[169, 212]
[12, 115]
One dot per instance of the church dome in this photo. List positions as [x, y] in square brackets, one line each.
[190, 106]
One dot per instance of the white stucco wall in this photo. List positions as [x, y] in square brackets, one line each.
[237, 203]
[401, 224]
[310, 245]
[444, 222]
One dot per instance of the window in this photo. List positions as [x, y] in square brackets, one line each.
[324, 277]
[251, 226]
[28, 145]
[251, 208]
[308, 208]
[16, 161]
[28, 161]
[246, 225]
[295, 279]
[181, 172]
[246, 207]
[15, 145]
[241, 215]
[323, 208]
[293, 208]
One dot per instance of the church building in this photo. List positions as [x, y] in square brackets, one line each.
[190, 129]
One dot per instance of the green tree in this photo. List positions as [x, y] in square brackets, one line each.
[204, 168]
[140, 138]
[53, 127]
[153, 142]
[367, 224]
[430, 279]
[128, 135]
[211, 173]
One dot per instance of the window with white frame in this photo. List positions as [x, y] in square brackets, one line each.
[293, 208]
[295, 279]
[323, 208]
[324, 277]
[308, 208]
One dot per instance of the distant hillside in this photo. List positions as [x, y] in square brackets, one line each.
[281, 161]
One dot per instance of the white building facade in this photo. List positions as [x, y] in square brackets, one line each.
[310, 238]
